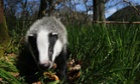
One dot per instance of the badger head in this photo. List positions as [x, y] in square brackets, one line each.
[45, 47]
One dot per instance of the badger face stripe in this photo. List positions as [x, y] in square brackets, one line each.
[57, 49]
[43, 45]
[33, 47]
[52, 40]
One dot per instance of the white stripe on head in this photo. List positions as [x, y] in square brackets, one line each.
[43, 45]
[57, 49]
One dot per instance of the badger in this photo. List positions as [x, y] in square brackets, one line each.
[45, 44]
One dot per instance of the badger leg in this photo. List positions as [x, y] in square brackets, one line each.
[61, 62]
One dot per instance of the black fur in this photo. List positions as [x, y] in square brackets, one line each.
[52, 41]
[33, 46]
[61, 62]
[28, 67]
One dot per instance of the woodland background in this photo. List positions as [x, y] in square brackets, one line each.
[106, 48]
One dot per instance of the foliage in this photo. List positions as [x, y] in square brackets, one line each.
[106, 54]
[4, 36]
[8, 72]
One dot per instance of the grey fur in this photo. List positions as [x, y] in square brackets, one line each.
[27, 63]
[51, 24]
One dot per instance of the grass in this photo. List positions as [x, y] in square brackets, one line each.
[108, 55]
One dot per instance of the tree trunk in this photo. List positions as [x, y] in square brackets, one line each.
[42, 8]
[4, 36]
[99, 10]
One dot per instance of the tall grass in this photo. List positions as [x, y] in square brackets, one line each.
[108, 55]
[7, 71]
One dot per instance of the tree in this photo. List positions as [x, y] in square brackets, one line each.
[42, 8]
[99, 10]
[48, 7]
[4, 36]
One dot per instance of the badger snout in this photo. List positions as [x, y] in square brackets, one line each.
[45, 65]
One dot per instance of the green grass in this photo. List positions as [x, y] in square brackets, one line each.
[108, 55]
[6, 69]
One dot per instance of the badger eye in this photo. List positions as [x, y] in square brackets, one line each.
[53, 37]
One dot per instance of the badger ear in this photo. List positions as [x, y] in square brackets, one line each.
[60, 18]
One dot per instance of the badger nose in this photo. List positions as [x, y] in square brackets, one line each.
[44, 66]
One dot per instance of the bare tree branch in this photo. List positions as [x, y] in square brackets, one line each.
[132, 6]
